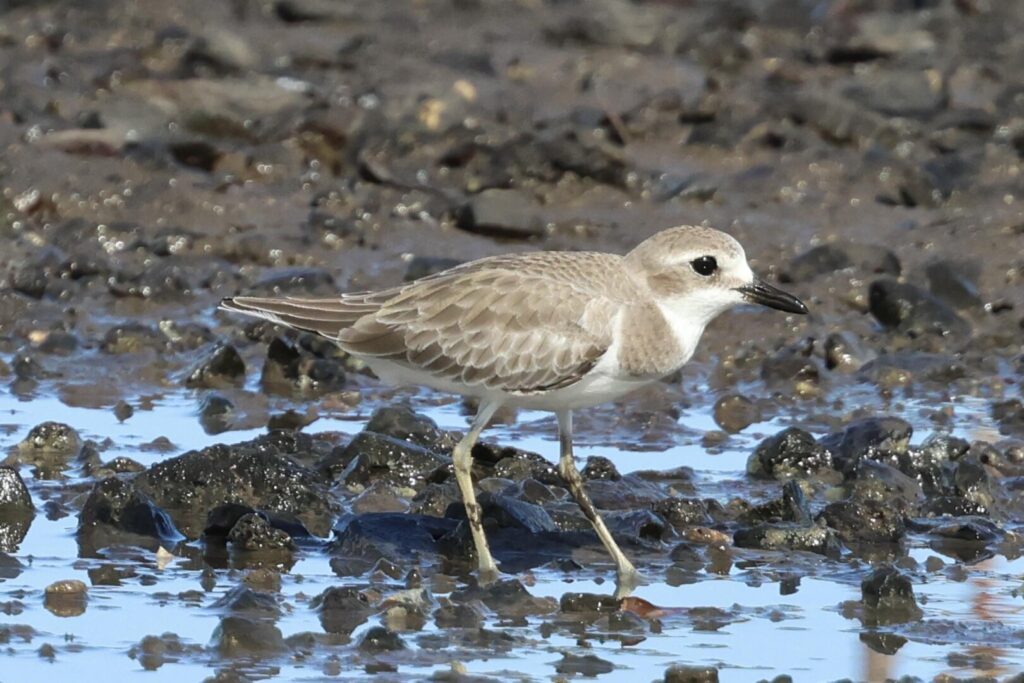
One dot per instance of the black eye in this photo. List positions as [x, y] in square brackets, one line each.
[705, 265]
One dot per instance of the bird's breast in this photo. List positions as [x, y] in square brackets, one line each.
[651, 343]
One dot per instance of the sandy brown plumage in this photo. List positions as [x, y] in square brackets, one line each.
[518, 323]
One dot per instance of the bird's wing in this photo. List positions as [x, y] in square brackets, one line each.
[499, 327]
[327, 317]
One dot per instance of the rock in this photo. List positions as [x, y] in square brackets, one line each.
[610, 23]
[883, 439]
[583, 665]
[380, 498]
[828, 258]
[342, 609]
[507, 214]
[581, 603]
[864, 521]
[253, 533]
[49, 440]
[374, 458]
[14, 496]
[511, 513]
[66, 598]
[790, 453]
[403, 423]
[114, 505]
[507, 597]
[789, 536]
[1010, 416]
[679, 673]
[682, 512]
[600, 468]
[905, 93]
[258, 473]
[422, 266]
[378, 640]
[955, 283]
[131, 338]
[909, 310]
[288, 368]
[735, 413]
[517, 465]
[216, 413]
[393, 536]
[887, 588]
[244, 600]
[845, 353]
[222, 366]
[237, 636]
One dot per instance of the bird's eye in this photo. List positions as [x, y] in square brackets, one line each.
[705, 265]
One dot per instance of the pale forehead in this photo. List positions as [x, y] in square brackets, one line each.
[691, 239]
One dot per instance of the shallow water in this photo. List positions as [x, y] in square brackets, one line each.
[764, 630]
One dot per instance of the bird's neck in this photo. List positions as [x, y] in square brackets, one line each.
[656, 339]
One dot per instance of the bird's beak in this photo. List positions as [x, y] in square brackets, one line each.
[760, 292]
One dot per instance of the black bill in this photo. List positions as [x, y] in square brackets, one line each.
[760, 292]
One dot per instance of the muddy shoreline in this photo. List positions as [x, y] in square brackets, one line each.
[195, 496]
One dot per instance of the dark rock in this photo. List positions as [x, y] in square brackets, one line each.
[434, 499]
[512, 463]
[843, 352]
[237, 636]
[244, 600]
[403, 423]
[131, 338]
[865, 521]
[378, 640]
[422, 266]
[628, 493]
[257, 473]
[955, 283]
[583, 665]
[636, 525]
[968, 529]
[374, 458]
[883, 643]
[789, 536]
[222, 366]
[393, 536]
[51, 439]
[581, 603]
[114, 504]
[507, 597]
[905, 93]
[216, 413]
[735, 413]
[679, 673]
[502, 213]
[683, 512]
[253, 533]
[342, 609]
[288, 368]
[14, 496]
[793, 367]
[887, 588]
[67, 598]
[599, 467]
[828, 258]
[511, 513]
[909, 310]
[883, 439]
[1010, 416]
[790, 453]
[610, 23]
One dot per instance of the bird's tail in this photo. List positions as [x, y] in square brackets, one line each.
[327, 317]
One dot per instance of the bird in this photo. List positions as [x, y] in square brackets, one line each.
[555, 331]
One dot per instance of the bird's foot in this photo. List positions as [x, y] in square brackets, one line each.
[487, 574]
[628, 579]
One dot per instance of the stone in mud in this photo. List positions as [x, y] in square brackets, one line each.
[599, 467]
[237, 636]
[115, 505]
[253, 533]
[258, 473]
[735, 413]
[131, 338]
[374, 458]
[583, 665]
[66, 598]
[610, 23]
[402, 422]
[683, 512]
[581, 603]
[502, 213]
[812, 538]
[911, 311]
[790, 453]
[845, 353]
[394, 536]
[378, 640]
[508, 597]
[342, 609]
[679, 673]
[14, 496]
[883, 439]
[422, 266]
[216, 413]
[956, 283]
[1010, 416]
[222, 366]
[51, 439]
[887, 588]
[864, 521]
[289, 367]
[828, 258]
[508, 512]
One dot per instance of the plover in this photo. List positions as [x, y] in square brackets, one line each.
[553, 331]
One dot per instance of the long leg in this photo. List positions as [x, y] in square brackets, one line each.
[626, 573]
[462, 456]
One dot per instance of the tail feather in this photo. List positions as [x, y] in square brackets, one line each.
[327, 317]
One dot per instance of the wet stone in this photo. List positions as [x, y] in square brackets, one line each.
[243, 599]
[678, 673]
[583, 665]
[845, 353]
[131, 338]
[403, 423]
[865, 521]
[883, 439]
[517, 465]
[507, 214]
[790, 453]
[828, 258]
[51, 439]
[910, 310]
[375, 458]
[599, 467]
[238, 636]
[509, 512]
[342, 609]
[955, 283]
[735, 413]
[253, 533]
[1010, 416]
[887, 588]
[14, 495]
[114, 504]
[507, 597]
[378, 640]
[812, 538]
[394, 536]
[222, 366]
[682, 512]
[66, 598]
[576, 603]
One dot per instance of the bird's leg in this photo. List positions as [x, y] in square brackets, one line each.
[462, 457]
[626, 574]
